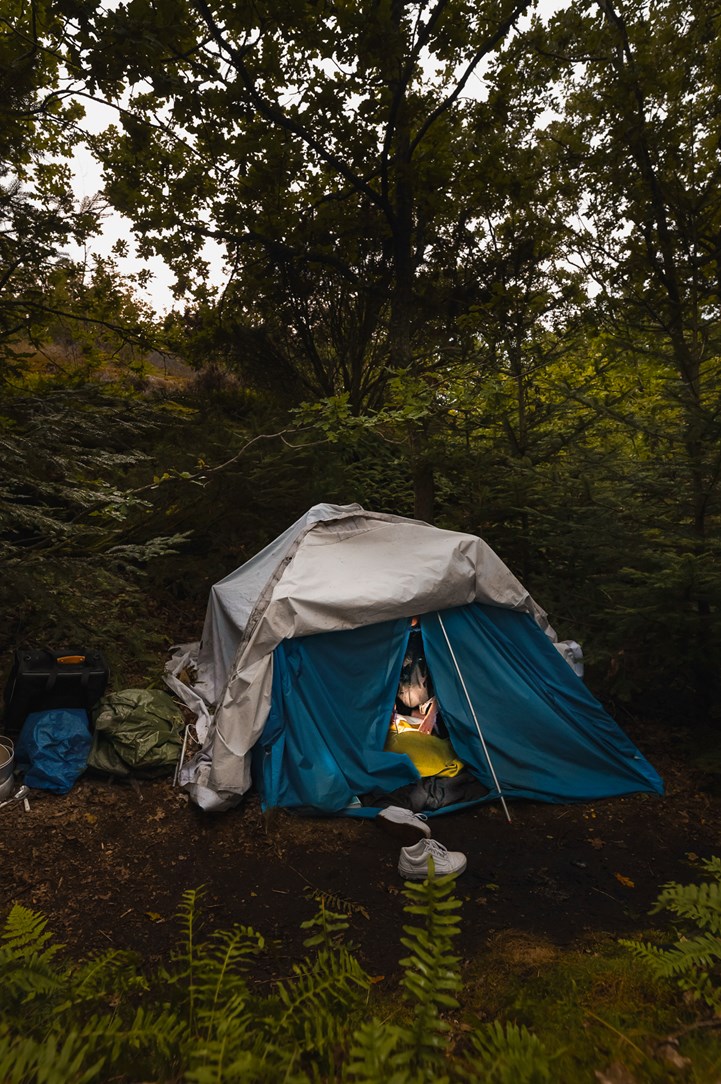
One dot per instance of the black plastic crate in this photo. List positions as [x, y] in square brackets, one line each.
[41, 679]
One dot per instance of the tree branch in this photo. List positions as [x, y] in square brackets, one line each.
[279, 117]
[488, 45]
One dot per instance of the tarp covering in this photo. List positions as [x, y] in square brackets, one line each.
[547, 736]
[53, 748]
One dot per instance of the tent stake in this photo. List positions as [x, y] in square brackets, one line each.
[179, 765]
[475, 719]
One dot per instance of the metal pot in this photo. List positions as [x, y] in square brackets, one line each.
[7, 767]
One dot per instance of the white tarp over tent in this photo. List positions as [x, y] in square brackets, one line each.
[338, 567]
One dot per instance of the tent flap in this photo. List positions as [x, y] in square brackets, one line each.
[547, 736]
[333, 694]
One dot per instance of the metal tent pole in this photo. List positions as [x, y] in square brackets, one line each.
[475, 719]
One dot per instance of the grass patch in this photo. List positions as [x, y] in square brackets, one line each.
[591, 1007]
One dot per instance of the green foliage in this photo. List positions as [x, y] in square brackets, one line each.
[431, 979]
[38, 213]
[693, 962]
[509, 1054]
[497, 295]
[417, 1051]
[200, 1018]
[77, 529]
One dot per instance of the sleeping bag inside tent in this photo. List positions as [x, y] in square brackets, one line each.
[517, 717]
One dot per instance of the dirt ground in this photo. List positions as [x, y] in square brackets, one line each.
[108, 864]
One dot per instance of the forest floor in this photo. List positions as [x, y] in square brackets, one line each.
[108, 864]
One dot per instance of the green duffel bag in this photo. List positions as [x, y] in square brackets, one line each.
[137, 732]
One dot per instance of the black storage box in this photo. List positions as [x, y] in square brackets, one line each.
[41, 679]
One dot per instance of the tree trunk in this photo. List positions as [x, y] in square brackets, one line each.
[424, 482]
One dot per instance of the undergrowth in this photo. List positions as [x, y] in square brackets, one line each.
[198, 1018]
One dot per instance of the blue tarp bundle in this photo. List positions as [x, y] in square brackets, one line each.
[53, 748]
[545, 734]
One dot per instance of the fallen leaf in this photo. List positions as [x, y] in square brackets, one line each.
[625, 881]
[154, 916]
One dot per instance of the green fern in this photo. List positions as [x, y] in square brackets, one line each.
[338, 903]
[431, 977]
[112, 970]
[507, 1054]
[694, 960]
[198, 1019]
[377, 1054]
[416, 1052]
[28, 968]
[24, 1060]
[330, 927]
[314, 1006]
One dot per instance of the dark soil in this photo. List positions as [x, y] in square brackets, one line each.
[108, 864]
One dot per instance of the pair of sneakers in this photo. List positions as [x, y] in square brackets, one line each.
[415, 858]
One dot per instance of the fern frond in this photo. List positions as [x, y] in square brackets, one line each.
[713, 866]
[105, 974]
[507, 1054]
[338, 903]
[378, 1055]
[313, 1005]
[702, 951]
[24, 1060]
[25, 931]
[237, 1066]
[148, 1044]
[188, 916]
[700, 903]
[219, 970]
[694, 960]
[431, 977]
[330, 925]
[27, 959]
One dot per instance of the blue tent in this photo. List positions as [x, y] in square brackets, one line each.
[303, 647]
[517, 715]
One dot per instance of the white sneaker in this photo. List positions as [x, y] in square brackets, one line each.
[414, 862]
[404, 825]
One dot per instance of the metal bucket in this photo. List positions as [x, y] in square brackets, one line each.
[7, 767]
